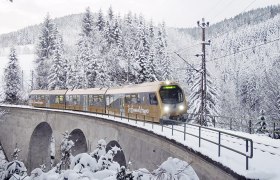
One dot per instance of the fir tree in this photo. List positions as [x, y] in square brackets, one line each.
[210, 101]
[162, 55]
[44, 51]
[86, 66]
[57, 74]
[12, 79]
[261, 123]
[100, 21]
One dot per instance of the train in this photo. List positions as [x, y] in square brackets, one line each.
[150, 101]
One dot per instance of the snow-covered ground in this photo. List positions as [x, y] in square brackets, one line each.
[263, 165]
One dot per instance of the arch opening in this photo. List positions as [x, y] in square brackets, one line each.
[119, 157]
[39, 147]
[80, 142]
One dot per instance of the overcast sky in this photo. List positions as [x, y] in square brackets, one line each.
[176, 13]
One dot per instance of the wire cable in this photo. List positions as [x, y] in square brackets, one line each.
[246, 49]
[187, 62]
[243, 23]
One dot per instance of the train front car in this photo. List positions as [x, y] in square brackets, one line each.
[173, 102]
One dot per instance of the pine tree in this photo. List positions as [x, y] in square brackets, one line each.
[100, 21]
[70, 76]
[262, 123]
[57, 74]
[12, 79]
[87, 65]
[143, 53]
[44, 51]
[195, 101]
[162, 56]
[110, 14]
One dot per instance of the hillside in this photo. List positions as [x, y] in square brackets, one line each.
[249, 18]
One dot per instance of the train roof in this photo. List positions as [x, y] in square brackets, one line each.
[131, 88]
[138, 88]
[48, 92]
[87, 91]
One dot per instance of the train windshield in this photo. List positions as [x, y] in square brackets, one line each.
[171, 94]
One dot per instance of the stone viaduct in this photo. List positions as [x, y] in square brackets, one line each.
[31, 130]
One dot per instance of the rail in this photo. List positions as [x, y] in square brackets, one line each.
[250, 126]
[171, 123]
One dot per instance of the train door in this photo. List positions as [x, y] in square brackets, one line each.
[47, 99]
[85, 105]
[122, 112]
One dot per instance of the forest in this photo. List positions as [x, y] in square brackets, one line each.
[105, 50]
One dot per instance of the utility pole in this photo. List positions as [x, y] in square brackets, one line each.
[32, 80]
[203, 25]
[22, 80]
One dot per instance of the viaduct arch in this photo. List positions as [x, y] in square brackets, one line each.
[25, 126]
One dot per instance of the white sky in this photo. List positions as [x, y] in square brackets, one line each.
[176, 13]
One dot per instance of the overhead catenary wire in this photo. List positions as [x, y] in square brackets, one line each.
[246, 49]
[214, 6]
[181, 49]
[227, 5]
[217, 35]
[187, 62]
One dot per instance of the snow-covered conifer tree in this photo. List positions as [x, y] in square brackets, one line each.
[261, 123]
[57, 73]
[12, 79]
[44, 51]
[143, 52]
[87, 65]
[195, 101]
[100, 21]
[162, 55]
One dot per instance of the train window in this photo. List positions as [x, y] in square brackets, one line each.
[56, 100]
[153, 99]
[75, 99]
[90, 100]
[61, 99]
[171, 94]
[78, 99]
[127, 99]
[134, 99]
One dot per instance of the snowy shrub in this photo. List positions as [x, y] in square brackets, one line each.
[174, 168]
[100, 149]
[65, 148]
[14, 168]
[83, 161]
[106, 162]
[276, 134]
[142, 174]
[36, 173]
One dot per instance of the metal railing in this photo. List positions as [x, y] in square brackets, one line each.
[183, 125]
[248, 142]
[239, 124]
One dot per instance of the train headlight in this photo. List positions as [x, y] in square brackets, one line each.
[181, 107]
[166, 109]
[167, 82]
